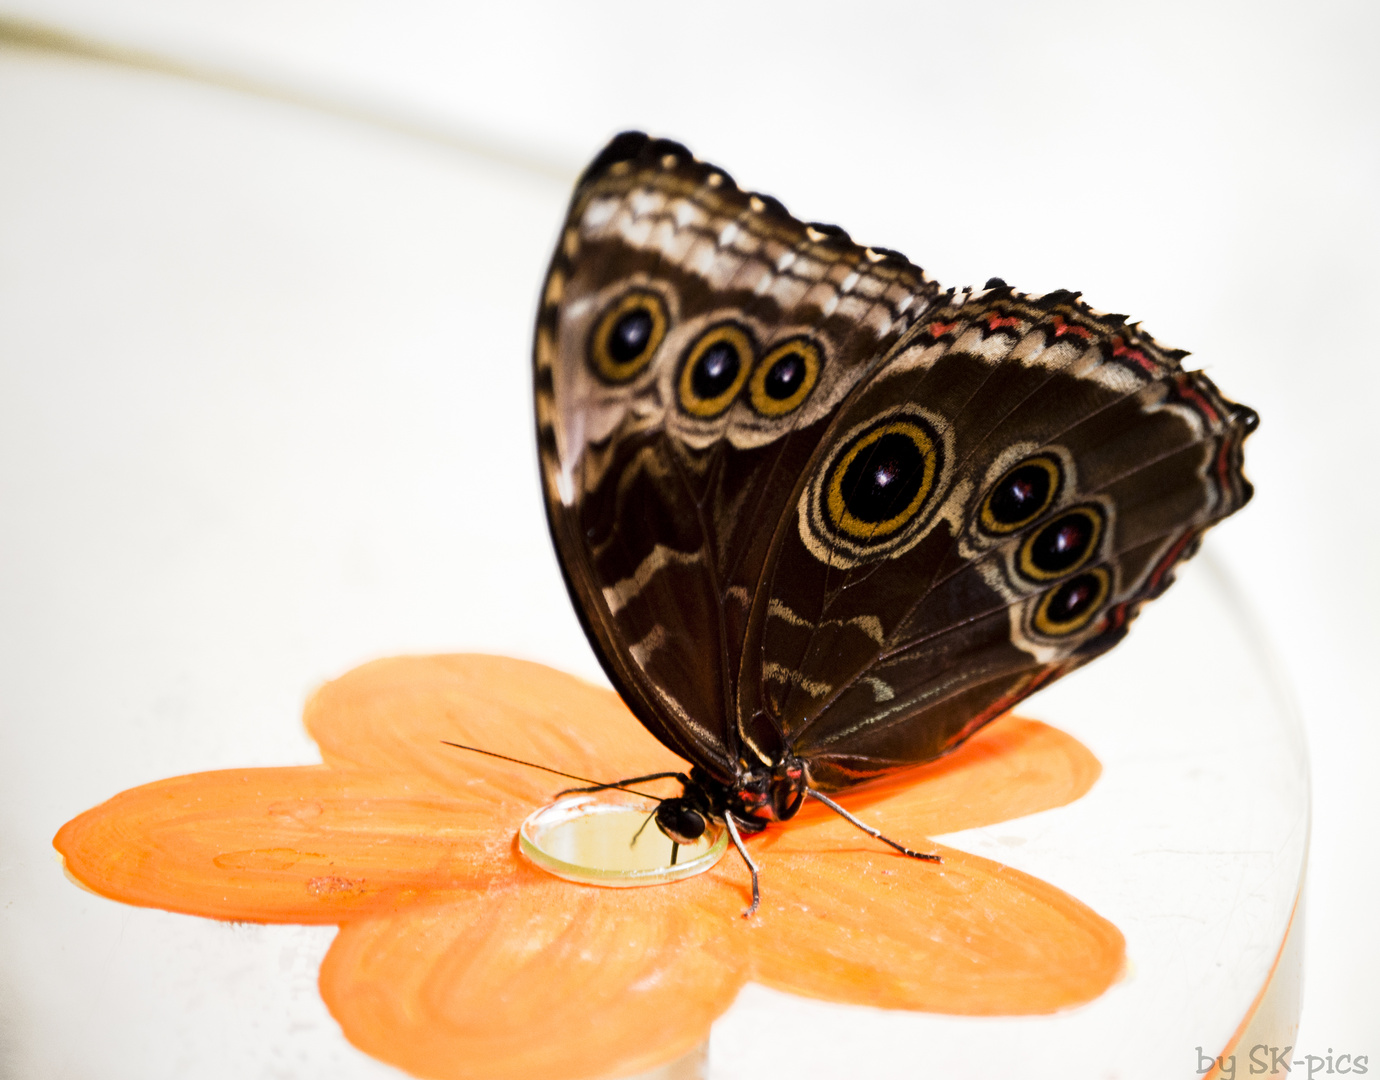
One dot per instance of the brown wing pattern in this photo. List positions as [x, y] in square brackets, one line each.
[692, 343]
[805, 504]
[1072, 464]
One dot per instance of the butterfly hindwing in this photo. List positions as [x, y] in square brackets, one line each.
[988, 511]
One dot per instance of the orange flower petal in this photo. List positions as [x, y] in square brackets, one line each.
[968, 937]
[392, 715]
[456, 959]
[1010, 768]
[537, 979]
[846, 919]
[302, 845]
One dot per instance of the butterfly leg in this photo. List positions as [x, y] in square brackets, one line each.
[630, 780]
[752, 866]
[836, 808]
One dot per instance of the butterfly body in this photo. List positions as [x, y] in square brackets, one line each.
[822, 520]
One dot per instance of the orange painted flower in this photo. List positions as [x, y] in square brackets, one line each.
[453, 950]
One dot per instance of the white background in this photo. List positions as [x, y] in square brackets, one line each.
[1208, 168]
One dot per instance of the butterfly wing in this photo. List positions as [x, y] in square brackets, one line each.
[988, 510]
[693, 344]
[804, 503]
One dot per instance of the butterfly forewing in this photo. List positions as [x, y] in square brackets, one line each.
[667, 471]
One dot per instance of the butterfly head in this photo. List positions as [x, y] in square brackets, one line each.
[757, 795]
[681, 820]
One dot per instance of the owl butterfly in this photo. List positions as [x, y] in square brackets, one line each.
[821, 520]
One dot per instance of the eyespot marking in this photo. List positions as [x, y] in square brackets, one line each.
[1024, 493]
[879, 480]
[783, 379]
[714, 369]
[1067, 608]
[627, 336]
[1062, 546]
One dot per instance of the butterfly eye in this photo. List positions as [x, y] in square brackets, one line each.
[1069, 607]
[785, 377]
[881, 479]
[1063, 545]
[1021, 496]
[626, 337]
[714, 370]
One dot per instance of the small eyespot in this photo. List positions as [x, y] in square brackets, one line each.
[714, 370]
[1021, 496]
[880, 479]
[1069, 607]
[627, 335]
[1062, 546]
[784, 377]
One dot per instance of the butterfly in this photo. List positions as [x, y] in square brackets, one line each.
[822, 520]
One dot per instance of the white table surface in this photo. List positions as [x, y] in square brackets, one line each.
[199, 288]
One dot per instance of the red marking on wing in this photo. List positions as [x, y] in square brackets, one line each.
[1122, 351]
[1198, 401]
[1223, 465]
[1061, 328]
[1022, 690]
[1170, 558]
[1116, 616]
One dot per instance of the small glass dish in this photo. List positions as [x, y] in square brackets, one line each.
[595, 841]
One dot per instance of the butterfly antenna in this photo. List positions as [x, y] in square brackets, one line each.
[595, 785]
[836, 808]
[752, 866]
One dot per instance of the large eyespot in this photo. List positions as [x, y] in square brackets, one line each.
[627, 335]
[714, 370]
[784, 378]
[1069, 607]
[1063, 545]
[1022, 495]
[881, 478]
